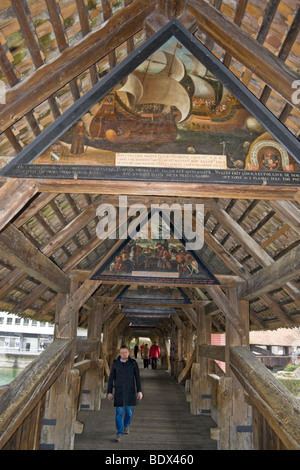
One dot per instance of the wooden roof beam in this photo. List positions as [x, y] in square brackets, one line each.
[72, 61]
[288, 212]
[239, 269]
[160, 17]
[168, 189]
[249, 244]
[226, 307]
[18, 250]
[171, 8]
[273, 276]
[273, 71]
[22, 191]
[191, 314]
[71, 229]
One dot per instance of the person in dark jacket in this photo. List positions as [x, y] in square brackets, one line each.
[124, 377]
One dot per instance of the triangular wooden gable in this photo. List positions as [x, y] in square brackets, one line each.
[155, 260]
[24, 165]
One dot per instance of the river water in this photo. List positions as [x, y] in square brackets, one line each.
[7, 374]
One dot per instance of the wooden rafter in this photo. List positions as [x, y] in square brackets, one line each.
[245, 49]
[23, 191]
[72, 61]
[17, 249]
[275, 275]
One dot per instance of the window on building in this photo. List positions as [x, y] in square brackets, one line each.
[9, 321]
[17, 321]
[26, 322]
[278, 350]
[14, 342]
[1, 320]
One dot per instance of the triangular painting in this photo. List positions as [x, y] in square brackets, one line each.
[164, 114]
[155, 258]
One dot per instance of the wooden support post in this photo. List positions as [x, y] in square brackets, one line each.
[240, 421]
[180, 363]
[180, 332]
[116, 341]
[200, 385]
[224, 398]
[165, 356]
[92, 381]
[104, 350]
[189, 347]
[177, 338]
[59, 424]
[174, 349]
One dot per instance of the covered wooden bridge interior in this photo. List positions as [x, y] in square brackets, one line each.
[51, 54]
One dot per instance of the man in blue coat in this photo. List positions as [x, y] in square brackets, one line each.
[125, 378]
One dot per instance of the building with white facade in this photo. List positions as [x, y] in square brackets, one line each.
[21, 339]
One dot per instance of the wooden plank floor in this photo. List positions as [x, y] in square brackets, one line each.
[162, 420]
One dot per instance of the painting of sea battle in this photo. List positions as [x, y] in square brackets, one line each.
[157, 260]
[171, 105]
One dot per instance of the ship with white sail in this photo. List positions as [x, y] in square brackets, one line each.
[159, 98]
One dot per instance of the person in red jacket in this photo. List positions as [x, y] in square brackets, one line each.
[154, 354]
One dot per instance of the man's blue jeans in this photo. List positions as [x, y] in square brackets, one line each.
[123, 418]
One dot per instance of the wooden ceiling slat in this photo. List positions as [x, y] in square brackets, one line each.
[59, 31]
[290, 37]
[245, 49]
[16, 144]
[85, 29]
[7, 68]
[288, 212]
[22, 15]
[30, 298]
[13, 80]
[247, 242]
[275, 275]
[269, 14]
[11, 280]
[238, 17]
[72, 61]
[17, 249]
[283, 54]
[23, 191]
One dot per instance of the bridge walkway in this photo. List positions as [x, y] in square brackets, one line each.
[162, 420]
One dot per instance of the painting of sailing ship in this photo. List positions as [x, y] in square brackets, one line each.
[170, 104]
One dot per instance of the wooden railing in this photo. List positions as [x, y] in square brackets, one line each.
[28, 418]
[279, 408]
[276, 412]
[27, 411]
[22, 403]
